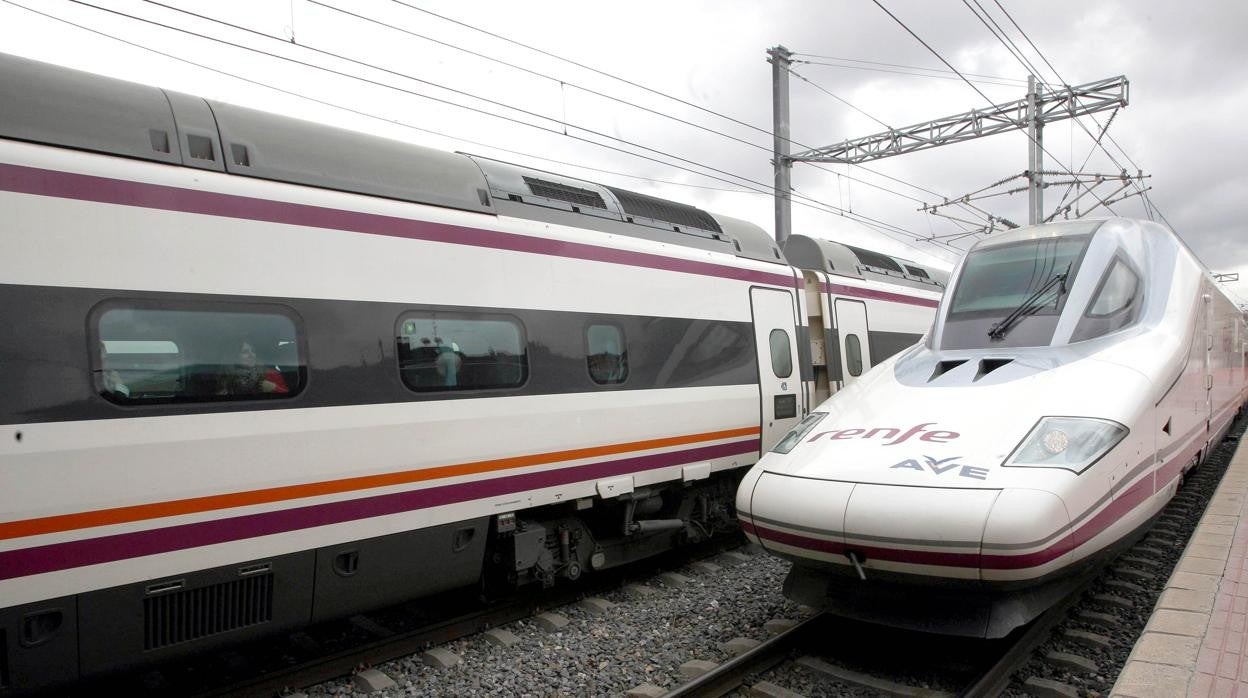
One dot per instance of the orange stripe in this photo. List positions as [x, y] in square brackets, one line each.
[141, 512]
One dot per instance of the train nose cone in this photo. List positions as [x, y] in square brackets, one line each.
[906, 529]
[936, 532]
[799, 517]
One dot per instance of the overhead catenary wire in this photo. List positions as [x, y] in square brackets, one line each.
[981, 81]
[869, 116]
[607, 96]
[563, 123]
[886, 228]
[1142, 192]
[386, 85]
[645, 88]
[936, 53]
[949, 74]
[1001, 36]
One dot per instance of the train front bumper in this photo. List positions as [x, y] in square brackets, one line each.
[980, 534]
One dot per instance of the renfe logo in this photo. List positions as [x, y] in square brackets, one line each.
[897, 435]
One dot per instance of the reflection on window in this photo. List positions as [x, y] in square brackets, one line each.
[1116, 293]
[853, 355]
[781, 354]
[439, 352]
[995, 280]
[162, 355]
[606, 354]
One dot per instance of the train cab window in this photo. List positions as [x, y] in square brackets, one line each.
[156, 355]
[781, 354]
[853, 354]
[452, 352]
[1116, 292]
[1114, 305]
[606, 354]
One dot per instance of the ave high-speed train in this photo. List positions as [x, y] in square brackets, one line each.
[257, 373]
[1074, 373]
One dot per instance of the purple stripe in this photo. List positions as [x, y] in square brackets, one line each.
[1127, 501]
[27, 180]
[61, 556]
[843, 290]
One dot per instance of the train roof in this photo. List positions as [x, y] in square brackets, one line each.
[806, 252]
[525, 192]
[53, 105]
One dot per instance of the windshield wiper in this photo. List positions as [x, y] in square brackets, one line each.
[1029, 306]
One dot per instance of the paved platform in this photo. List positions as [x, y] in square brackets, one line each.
[1194, 643]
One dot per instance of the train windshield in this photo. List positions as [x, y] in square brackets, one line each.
[1011, 295]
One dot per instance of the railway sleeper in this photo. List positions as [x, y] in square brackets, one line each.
[1072, 662]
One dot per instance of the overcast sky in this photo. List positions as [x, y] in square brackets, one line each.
[1187, 65]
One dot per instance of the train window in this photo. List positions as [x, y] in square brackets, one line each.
[853, 354]
[781, 354]
[453, 351]
[1114, 305]
[996, 280]
[606, 354]
[155, 355]
[1116, 293]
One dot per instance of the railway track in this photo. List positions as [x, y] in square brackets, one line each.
[1075, 648]
[341, 648]
[805, 646]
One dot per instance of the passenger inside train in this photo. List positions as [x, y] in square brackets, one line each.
[247, 377]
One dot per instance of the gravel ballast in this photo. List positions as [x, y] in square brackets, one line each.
[639, 640]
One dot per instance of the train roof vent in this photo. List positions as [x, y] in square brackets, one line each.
[663, 210]
[915, 271]
[875, 259]
[987, 366]
[943, 367]
[564, 192]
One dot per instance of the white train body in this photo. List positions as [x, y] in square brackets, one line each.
[463, 370]
[943, 490]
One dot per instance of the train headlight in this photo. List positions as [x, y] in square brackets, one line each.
[1072, 443]
[798, 432]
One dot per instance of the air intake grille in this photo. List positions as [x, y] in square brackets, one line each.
[196, 613]
[563, 192]
[663, 210]
[875, 259]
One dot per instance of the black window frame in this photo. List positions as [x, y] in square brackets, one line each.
[857, 352]
[1090, 325]
[788, 354]
[94, 342]
[459, 314]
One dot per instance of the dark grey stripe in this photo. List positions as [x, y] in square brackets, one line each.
[832, 344]
[885, 344]
[45, 353]
[862, 536]
[805, 367]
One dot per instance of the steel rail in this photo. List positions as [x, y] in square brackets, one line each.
[731, 674]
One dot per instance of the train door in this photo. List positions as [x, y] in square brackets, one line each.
[851, 328]
[1208, 365]
[779, 379]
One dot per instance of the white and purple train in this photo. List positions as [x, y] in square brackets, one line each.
[1074, 373]
[257, 373]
